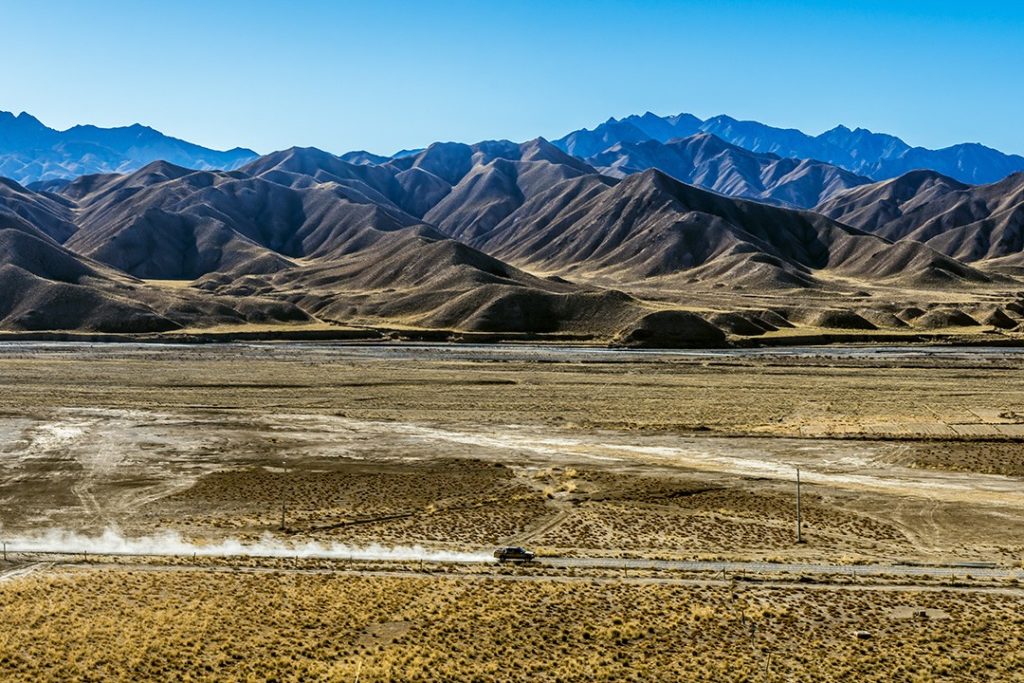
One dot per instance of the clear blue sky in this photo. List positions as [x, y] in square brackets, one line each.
[383, 75]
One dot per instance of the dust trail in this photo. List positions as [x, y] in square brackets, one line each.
[112, 542]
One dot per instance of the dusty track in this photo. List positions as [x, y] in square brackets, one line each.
[64, 558]
[23, 570]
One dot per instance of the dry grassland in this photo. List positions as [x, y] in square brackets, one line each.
[187, 625]
[567, 511]
[644, 515]
[955, 414]
[217, 442]
[951, 399]
[455, 502]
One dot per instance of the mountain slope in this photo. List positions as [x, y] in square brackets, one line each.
[166, 222]
[707, 161]
[420, 279]
[460, 189]
[46, 213]
[31, 151]
[875, 155]
[970, 223]
[44, 286]
[653, 226]
[498, 182]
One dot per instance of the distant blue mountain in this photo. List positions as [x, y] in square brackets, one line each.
[875, 155]
[31, 151]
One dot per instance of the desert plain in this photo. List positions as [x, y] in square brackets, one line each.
[364, 487]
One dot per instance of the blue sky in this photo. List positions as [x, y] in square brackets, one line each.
[384, 75]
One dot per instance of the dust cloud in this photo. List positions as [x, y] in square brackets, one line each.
[112, 542]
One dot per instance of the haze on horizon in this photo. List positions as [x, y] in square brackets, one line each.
[390, 75]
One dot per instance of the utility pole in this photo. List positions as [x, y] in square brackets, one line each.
[284, 498]
[799, 517]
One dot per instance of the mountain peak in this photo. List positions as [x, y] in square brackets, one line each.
[26, 118]
[163, 169]
[724, 118]
[23, 121]
[921, 177]
[652, 177]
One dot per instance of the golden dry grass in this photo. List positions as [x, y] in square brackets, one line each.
[188, 625]
[680, 516]
[456, 502]
[170, 284]
[1004, 456]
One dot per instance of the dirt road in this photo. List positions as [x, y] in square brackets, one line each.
[37, 560]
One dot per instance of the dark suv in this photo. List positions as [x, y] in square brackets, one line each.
[514, 554]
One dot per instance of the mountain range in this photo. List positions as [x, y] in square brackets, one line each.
[31, 151]
[710, 162]
[645, 242]
[874, 155]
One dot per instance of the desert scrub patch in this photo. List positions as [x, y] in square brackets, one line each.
[133, 625]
